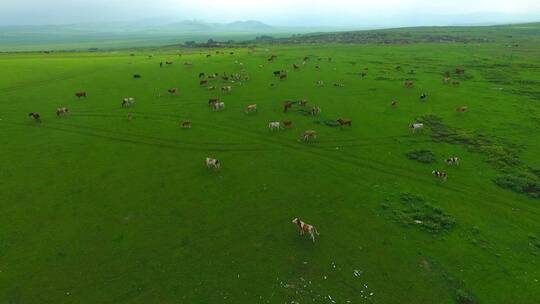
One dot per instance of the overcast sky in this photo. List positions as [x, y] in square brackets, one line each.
[274, 12]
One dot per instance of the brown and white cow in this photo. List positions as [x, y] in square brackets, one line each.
[251, 108]
[186, 124]
[226, 89]
[344, 122]
[462, 109]
[62, 111]
[212, 163]
[309, 135]
[305, 228]
[316, 110]
[443, 176]
[35, 116]
[173, 91]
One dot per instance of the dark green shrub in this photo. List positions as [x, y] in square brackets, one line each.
[423, 156]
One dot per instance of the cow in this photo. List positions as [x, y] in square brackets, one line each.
[274, 125]
[219, 106]
[251, 108]
[212, 163]
[302, 103]
[79, 95]
[35, 116]
[339, 85]
[283, 77]
[287, 123]
[186, 124]
[173, 91]
[287, 106]
[295, 66]
[201, 75]
[344, 122]
[136, 76]
[213, 100]
[455, 83]
[188, 63]
[309, 134]
[320, 83]
[440, 175]
[409, 84]
[462, 109]
[127, 102]
[130, 116]
[316, 110]
[416, 127]
[211, 88]
[460, 71]
[277, 73]
[168, 62]
[62, 111]
[305, 228]
[226, 89]
[452, 161]
[446, 80]
[423, 96]
[394, 103]
[203, 82]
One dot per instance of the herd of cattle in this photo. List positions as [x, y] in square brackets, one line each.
[309, 135]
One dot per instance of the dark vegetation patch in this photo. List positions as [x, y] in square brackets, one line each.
[534, 244]
[501, 155]
[411, 210]
[423, 156]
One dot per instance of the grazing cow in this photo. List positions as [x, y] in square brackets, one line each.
[320, 83]
[424, 96]
[345, 122]
[168, 62]
[462, 109]
[127, 102]
[212, 163]
[302, 103]
[203, 82]
[287, 123]
[416, 127]
[173, 91]
[274, 125]
[226, 89]
[440, 175]
[211, 88]
[295, 66]
[283, 77]
[446, 74]
[35, 116]
[186, 124]
[213, 100]
[136, 76]
[460, 71]
[62, 111]
[452, 161]
[251, 108]
[446, 80]
[287, 106]
[309, 134]
[219, 106]
[79, 95]
[455, 83]
[394, 103]
[277, 73]
[316, 110]
[201, 75]
[212, 76]
[305, 228]
[188, 63]
[409, 84]
[337, 84]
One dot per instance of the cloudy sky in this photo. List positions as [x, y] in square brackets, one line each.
[274, 12]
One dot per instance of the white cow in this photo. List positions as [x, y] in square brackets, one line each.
[212, 163]
[274, 125]
[416, 127]
[219, 106]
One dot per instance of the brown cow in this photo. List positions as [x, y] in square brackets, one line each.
[409, 84]
[309, 134]
[186, 124]
[462, 109]
[251, 108]
[173, 91]
[79, 95]
[203, 82]
[287, 106]
[345, 122]
[394, 103]
[287, 123]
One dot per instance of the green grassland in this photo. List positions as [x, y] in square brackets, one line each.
[99, 209]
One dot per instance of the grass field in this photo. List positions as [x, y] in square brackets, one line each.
[99, 209]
